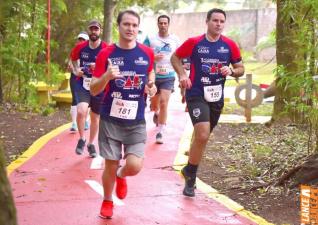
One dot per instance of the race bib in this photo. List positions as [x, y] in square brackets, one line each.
[86, 82]
[213, 93]
[163, 69]
[124, 109]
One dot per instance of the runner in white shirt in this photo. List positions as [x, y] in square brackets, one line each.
[163, 44]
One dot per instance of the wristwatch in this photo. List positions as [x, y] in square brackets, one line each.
[232, 72]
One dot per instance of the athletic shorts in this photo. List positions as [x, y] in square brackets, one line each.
[165, 83]
[83, 95]
[114, 139]
[203, 111]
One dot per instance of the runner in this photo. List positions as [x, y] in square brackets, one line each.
[210, 55]
[86, 53]
[123, 70]
[81, 37]
[163, 44]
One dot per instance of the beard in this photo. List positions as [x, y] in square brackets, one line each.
[93, 37]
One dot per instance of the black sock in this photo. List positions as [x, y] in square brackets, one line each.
[192, 169]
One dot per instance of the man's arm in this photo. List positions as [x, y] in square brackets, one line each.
[98, 84]
[76, 68]
[238, 69]
[184, 80]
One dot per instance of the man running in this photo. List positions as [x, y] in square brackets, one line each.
[86, 53]
[124, 72]
[210, 56]
[163, 44]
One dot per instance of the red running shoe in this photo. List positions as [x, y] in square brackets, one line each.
[121, 187]
[106, 211]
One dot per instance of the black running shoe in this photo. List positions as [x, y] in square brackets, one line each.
[189, 184]
[80, 147]
[91, 150]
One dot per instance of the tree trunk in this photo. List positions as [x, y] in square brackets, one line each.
[287, 55]
[109, 8]
[7, 208]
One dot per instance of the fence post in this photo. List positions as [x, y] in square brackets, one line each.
[248, 98]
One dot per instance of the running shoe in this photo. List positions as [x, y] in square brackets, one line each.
[91, 150]
[121, 187]
[106, 211]
[159, 138]
[189, 184]
[80, 146]
[73, 128]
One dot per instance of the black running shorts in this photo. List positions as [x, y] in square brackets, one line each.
[203, 111]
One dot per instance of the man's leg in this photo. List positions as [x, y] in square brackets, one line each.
[163, 114]
[80, 119]
[108, 179]
[154, 106]
[200, 139]
[92, 133]
[132, 166]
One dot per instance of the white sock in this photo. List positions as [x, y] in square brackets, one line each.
[73, 112]
[161, 127]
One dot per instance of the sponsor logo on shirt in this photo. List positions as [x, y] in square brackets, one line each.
[223, 50]
[203, 50]
[205, 80]
[84, 55]
[119, 61]
[116, 94]
[134, 96]
[141, 61]
[130, 80]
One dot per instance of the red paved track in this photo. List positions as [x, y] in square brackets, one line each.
[50, 188]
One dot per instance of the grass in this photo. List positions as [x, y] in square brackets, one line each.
[264, 109]
[262, 73]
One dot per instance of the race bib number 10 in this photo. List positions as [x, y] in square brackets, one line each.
[124, 109]
[213, 93]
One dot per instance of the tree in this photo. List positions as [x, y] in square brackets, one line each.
[7, 208]
[296, 34]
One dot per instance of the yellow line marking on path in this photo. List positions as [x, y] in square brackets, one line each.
[182, 159]
[35, 147]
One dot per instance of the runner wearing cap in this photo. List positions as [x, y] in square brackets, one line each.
[86, 53]
[81, 37]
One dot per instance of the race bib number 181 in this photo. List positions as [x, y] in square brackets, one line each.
[124, 109]
[213, 93]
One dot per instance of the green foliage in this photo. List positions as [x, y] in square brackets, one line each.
[22, 50]
[295, 76]
[48, 110]
[267, 42]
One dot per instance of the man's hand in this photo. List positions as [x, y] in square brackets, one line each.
[185, 82]
[226, 71]
[150, 89]
[112, 71]
[79, 72]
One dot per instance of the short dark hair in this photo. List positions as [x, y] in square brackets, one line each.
[214, 10]
[163, 16]
[131, 12]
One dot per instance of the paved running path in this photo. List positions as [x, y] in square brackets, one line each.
[57, 187]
